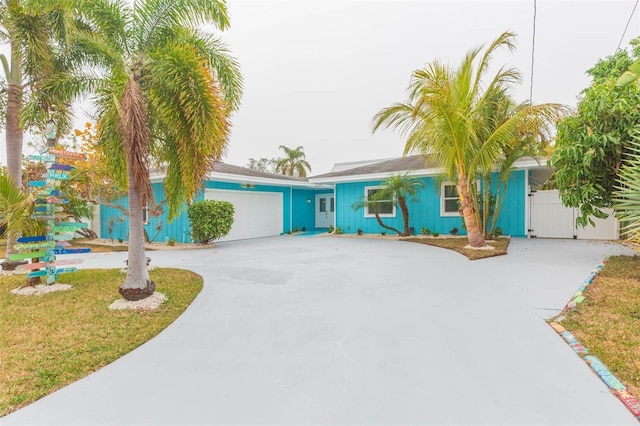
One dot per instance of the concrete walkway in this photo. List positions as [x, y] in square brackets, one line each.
[354, 331]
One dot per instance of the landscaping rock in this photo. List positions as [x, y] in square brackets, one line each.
[150, 303]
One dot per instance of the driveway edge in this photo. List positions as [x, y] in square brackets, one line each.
[598, 367]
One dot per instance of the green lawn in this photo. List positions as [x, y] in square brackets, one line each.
[49, 341]
[607, 323]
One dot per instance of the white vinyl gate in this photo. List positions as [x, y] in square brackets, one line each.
[549, 218]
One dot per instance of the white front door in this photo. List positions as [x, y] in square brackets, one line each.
[325, 209]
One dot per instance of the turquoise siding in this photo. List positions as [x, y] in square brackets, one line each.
[425, 212]
[512, 216]
[304, 208]
[300, 213]
[297, 214]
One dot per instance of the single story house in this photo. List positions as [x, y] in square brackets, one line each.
[268, 204]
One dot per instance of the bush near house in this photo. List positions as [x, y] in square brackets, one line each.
[210, 219]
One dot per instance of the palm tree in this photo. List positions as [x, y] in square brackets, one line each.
[39, 72]
[168, 93]
[626, 199]
[399, 188]
[531, 138]
[293, 164]
[446, 116]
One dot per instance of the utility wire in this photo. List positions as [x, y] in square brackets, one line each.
[627, 26]
[533, 48]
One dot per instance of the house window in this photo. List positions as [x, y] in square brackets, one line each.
[449, 200]
[385, 208]
[145, 215]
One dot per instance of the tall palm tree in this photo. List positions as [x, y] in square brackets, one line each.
[168, 92]
[37, 72]
[399, 189]
[293, 164]
[446, 116]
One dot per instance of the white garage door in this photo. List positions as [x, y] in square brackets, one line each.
[257, 214]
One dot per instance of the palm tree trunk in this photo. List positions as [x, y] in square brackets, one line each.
[468, 214]
[137, 285]
[14, 138]
[405, 215]
[391, 228]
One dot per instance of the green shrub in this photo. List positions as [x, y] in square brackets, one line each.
[210, 219]
[295, 229]
[498, 232]
[330, 228]
[435, 234]
[338, 230]
[383, 233]
[425, 231]
[171, 242]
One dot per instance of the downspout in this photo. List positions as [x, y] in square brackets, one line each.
[335, 208]
[291, 209]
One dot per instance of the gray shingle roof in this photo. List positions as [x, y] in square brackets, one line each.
[244, 171]
[402, 164]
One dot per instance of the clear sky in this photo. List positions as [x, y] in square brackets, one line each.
[316, 72]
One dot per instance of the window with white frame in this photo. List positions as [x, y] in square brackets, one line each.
[449, 200]
[385, 208]
[145, 215]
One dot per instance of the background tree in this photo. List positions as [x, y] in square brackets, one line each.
[168, 92]
[446, 117]
[399, 189]
[626, 197]
[263, 164]
[293, 163]
[592, 145]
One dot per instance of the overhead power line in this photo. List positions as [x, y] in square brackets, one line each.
[533, 49]
[627, 26]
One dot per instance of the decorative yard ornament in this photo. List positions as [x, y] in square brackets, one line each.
[49, 201]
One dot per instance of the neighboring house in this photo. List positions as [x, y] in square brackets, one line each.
[268, 204]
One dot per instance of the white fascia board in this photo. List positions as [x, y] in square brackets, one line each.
[374, 176]
[530, 163]
[255, 180]
[227, 177]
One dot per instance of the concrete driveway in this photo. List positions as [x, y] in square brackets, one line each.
[321, 330]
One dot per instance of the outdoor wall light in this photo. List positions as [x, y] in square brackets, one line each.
[308, 200]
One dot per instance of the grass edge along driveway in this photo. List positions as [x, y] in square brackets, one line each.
[50, 341]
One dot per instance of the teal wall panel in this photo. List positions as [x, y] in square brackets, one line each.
[297, 212]
[300, 213]
[304, 208]
[425, 213]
